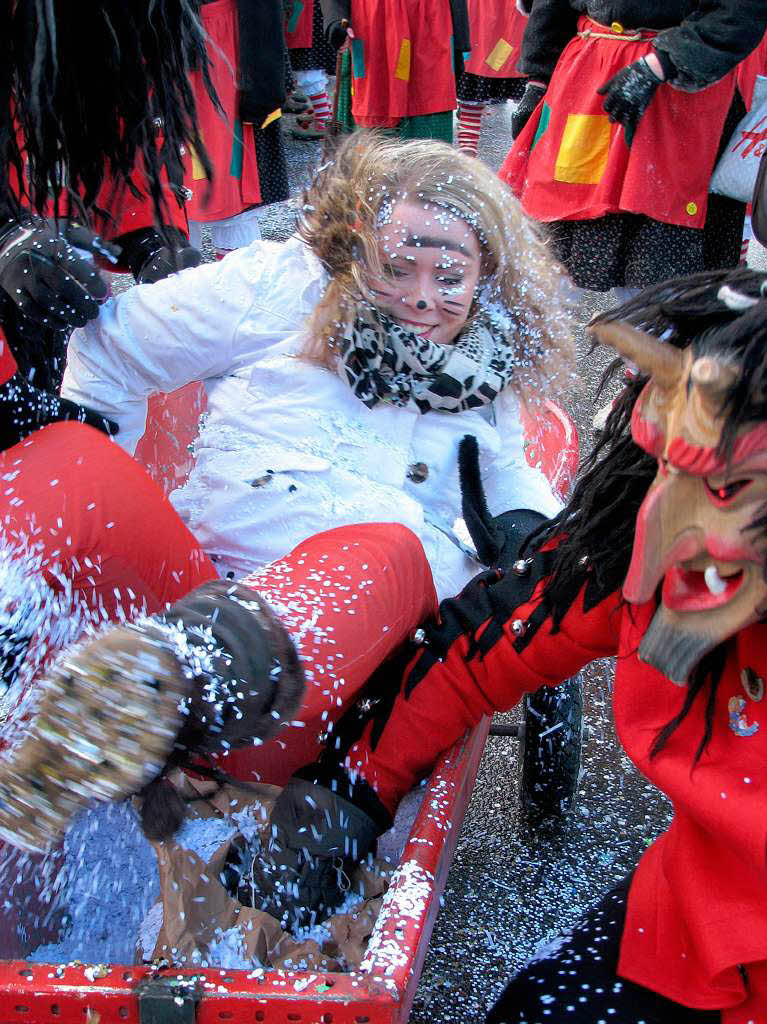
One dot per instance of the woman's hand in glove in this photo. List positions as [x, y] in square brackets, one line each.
[45, 277]
[532, 96]
[628, 94]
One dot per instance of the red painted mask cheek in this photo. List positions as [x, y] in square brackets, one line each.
[646, 432]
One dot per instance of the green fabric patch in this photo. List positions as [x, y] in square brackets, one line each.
[543, 124]
[235, 166]
[297, 9]
[344, 116]
[358, 57]
[428, 126]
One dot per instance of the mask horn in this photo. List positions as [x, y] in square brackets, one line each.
[712, 379]
[661, 361]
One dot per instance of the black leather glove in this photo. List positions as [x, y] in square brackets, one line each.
[24, 409]
[44, 276]
[532, 96]
[498, 540]
[301, 875]
[337, 33]
[152, 255]
[628, 94]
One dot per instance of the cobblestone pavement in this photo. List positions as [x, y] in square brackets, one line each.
[512, 887]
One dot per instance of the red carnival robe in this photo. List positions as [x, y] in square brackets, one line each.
[496, 29]
[298, 24]
[229, 142]
[571, 163]
[402, 60]
[697, 905]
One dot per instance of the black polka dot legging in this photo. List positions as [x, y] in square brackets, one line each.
[573, 980]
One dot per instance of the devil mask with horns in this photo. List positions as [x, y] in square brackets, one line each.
[697, 536]
[672, 504]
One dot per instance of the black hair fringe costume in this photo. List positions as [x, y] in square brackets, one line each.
[86, 89]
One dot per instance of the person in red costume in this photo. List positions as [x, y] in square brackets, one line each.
[104, 101]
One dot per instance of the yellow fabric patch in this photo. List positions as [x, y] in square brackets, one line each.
[499, 54]
[583, 152]
[198, 171]
[272, 117]
[402, 71]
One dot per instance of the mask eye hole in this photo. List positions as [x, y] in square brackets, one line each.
[723, 494]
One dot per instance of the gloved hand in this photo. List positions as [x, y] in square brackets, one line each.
[628, 94]
[152, 255]
[45, 277]
[24, 409]
[337, 32]
[301, 875]
[498, 540]
[532, 96]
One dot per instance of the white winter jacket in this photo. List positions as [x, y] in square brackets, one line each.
[285, 449]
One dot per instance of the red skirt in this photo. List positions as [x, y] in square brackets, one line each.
[571, 163]
[496, 28]
[402, 60]
[230, 143]
[298, 24]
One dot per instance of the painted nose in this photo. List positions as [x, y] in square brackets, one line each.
[421, 304]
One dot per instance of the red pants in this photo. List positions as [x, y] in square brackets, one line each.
[349, 597]
[96, 520]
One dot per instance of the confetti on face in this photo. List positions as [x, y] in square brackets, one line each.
[431, 265]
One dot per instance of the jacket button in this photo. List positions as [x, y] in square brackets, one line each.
[418, 636]
[417, 472]
[518, 627]
[522, 566]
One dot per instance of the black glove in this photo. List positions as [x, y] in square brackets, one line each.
[152, 255]
[43, 275]
[498, 540]
[301, 875]
[532, 96]
[24, 409]
[337, 33]
[628, 94]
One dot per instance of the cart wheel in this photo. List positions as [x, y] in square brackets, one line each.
[551, 749]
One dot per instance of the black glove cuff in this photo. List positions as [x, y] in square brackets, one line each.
[357, 792]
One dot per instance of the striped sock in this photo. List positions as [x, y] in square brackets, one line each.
[469, 122]
[321, 108]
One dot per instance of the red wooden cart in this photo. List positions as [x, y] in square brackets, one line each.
[382, 992]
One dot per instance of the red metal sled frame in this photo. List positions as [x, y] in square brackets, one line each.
[382, 993]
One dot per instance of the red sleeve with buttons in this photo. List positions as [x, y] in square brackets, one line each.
[454, 694]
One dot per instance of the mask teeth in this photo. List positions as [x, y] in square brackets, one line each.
[714, 581]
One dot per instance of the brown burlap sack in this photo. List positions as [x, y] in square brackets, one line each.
[197, 910]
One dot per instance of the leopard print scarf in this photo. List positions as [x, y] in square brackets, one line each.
[382, 361]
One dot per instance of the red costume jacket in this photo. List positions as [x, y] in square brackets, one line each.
[696, 924]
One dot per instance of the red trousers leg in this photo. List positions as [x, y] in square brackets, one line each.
[95, 519]
[348, 597]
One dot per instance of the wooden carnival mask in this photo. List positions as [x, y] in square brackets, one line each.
[694, 532]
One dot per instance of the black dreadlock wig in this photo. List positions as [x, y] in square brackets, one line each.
[85, 89]
[721, 314]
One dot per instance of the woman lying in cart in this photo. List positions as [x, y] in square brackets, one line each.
[342, 368]
[659, 557]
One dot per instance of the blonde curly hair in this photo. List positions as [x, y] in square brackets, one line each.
[348, 199]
